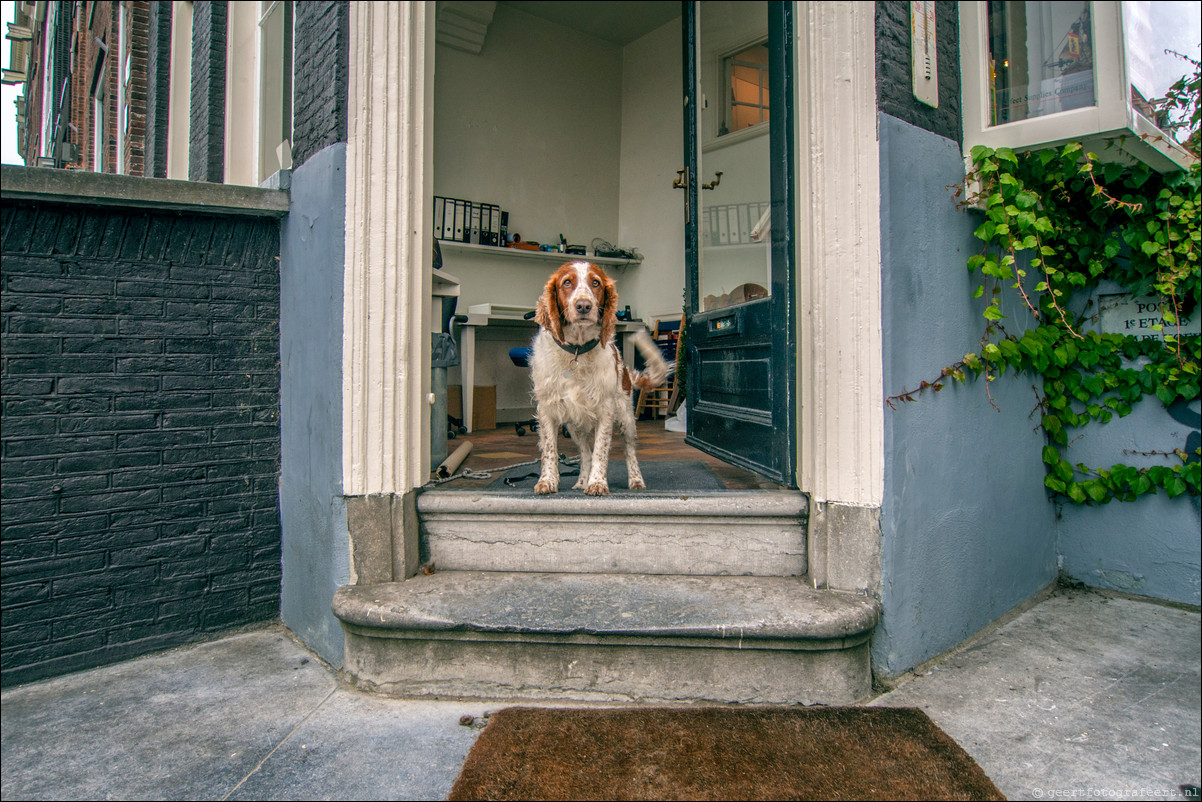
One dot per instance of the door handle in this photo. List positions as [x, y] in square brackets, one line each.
[717, 180]
[682, 180]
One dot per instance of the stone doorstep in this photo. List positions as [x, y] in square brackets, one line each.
[753, 533]
[650, 504]
[608, 637]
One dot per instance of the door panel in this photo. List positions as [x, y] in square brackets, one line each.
[739, 271]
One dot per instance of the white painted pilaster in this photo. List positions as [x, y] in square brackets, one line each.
[839, 255]
[386, 345]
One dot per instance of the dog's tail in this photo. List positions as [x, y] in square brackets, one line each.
[655, 369]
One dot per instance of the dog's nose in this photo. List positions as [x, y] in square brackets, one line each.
[583, 306]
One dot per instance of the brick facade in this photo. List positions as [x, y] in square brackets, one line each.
[206, 133]
[140, 440]
[158, 87]
[894, 83]
[321, 40]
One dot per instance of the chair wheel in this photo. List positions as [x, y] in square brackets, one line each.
[451, 435]
[521, 431]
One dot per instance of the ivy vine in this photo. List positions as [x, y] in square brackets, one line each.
[1057, 222]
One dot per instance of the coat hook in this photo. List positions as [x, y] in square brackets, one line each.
[717, 180]
[680, 182]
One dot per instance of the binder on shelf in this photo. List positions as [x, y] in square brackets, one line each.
[458, 220]
[457, 233]
[491, 234]
[473, 227]
[440, 205]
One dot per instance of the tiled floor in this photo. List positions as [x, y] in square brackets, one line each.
[502, 447]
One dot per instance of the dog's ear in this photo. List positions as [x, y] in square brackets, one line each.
[547, 312]
[609, 308]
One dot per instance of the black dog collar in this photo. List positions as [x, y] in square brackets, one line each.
[577, 350]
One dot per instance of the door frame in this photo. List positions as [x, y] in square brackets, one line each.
[839, 391]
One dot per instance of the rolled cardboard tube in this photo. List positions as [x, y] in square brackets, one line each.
[454, 459]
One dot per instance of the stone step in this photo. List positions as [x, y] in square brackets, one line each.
[729, 533]
[608, 637]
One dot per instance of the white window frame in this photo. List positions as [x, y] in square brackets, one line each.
[1113, 117]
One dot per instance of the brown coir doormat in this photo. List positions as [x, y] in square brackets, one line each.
[718, 753]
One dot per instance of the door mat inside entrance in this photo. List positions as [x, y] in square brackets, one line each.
[718, 753]
[681, 475]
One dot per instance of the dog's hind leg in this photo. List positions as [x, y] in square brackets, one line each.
[548, 446]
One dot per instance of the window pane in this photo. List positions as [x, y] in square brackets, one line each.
[1040, 59]
[1153, 34]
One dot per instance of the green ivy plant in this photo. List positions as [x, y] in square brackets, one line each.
[1057, 221]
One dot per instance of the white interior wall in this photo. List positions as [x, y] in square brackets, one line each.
[532, 123]
[570, 135]
[651, 212]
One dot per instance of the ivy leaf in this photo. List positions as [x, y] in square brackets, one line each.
[980, 153]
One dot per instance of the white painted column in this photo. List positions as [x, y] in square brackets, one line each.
[841, 414]
[389, 163]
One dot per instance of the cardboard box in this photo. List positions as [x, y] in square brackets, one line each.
[484, 405]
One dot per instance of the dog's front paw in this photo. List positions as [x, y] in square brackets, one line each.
[637, 483]
[545, 486]
[597, 489]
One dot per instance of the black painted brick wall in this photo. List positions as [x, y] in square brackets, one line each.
[894, 82]
[140, 438]
[321, 51]
[206, 132]
[158, 88]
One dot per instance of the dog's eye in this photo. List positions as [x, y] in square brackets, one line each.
[596, 283]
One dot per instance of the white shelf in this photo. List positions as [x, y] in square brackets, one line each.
[518, 253]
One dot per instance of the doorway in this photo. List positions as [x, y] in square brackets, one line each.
[598, 163]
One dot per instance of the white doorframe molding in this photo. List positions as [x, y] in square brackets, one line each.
[840, 378]
[389, 165]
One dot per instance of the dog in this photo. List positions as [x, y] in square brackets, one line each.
[580, 380]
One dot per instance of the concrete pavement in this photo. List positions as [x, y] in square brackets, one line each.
[1083, 696]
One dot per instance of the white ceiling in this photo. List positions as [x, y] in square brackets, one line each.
[617, 22]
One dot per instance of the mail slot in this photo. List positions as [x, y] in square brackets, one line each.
[726, 324]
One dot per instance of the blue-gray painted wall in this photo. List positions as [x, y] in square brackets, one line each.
[967, 530]
[316, 547]
[1150, 546]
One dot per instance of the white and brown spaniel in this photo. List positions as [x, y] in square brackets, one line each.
[580, 379]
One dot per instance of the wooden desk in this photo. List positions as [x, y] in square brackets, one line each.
[512, 326]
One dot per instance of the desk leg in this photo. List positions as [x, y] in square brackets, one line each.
[467, 364]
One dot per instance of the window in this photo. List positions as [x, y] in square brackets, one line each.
[1044, 73]
[746, 80]
[275, 87]
[258, 91]
[1040, 59]
[179, 124]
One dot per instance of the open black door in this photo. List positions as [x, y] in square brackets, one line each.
[739, 276]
